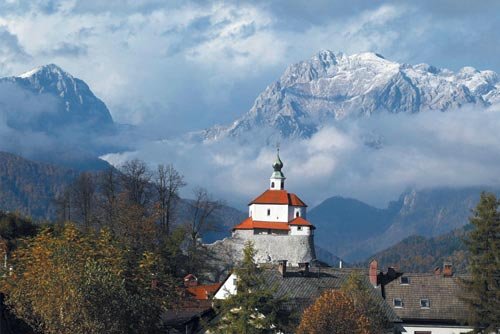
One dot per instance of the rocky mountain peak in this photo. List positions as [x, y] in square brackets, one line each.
[330, 87]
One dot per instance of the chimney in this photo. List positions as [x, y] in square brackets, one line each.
[282, 267]
[447, 269]
[304, 266]
[373, 271]
[190, 280]
[437, 271]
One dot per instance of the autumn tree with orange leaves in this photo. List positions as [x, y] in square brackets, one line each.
[69, 281]
[334, 312]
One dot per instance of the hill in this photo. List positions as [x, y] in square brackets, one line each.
[420, 254]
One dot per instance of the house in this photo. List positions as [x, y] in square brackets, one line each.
[194, 308]
[426, 303]
[302, 285]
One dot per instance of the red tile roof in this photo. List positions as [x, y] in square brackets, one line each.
[250, 224]
[278, 197]
[202, 292]
[301, 222]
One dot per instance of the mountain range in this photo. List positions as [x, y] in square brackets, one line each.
[354, 230]
[331, 87]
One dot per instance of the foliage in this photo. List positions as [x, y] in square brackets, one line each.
[334, 312]
[365, 302]
[483, 242]
[253, 309]
[74, 282]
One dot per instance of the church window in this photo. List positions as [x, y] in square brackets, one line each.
[282, 185]
[299, 228]
[268, 212]
[272, 185]
[297, 214]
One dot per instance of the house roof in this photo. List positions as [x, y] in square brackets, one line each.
[442, 292]
[250, 224]
[282, 197]
[202, 292]
[301, 222]
[301, 290]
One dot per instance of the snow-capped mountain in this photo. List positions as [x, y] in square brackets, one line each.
[335, 86]
[48, 115]
[69, 101]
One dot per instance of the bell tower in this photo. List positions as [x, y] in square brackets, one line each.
[277, 180]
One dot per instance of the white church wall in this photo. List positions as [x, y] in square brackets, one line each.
[278, 213]
[292, 212]
[300, 230]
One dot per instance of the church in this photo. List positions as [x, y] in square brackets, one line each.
[277, 224]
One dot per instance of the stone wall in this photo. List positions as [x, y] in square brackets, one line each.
[270, 248]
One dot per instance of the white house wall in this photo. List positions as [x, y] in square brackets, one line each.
[228, 288]
[411, 329]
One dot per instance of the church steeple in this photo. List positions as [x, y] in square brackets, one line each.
[277, 181]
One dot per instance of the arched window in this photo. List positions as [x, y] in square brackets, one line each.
[272, 185]
[268, 212]
[297, 214]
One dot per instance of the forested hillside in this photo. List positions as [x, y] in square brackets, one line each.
[30, 187]
[421, 254]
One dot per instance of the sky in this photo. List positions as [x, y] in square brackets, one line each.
[170, 67]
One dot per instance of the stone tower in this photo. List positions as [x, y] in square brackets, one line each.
[277, 224]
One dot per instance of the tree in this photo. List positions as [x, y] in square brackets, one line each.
[201, 221]
[167, 184]
[359, 291]
[135, 180]
[334, 312]
[109, 202]
[483, 287]
[83, 193]
[254, 308]
[75, 282]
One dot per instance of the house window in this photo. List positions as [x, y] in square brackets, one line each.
[268, 212]
[235, 281]
[398, 302]
[425, 303]
[405, 280]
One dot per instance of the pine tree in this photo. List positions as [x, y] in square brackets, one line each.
[483, 288]
[253, 309]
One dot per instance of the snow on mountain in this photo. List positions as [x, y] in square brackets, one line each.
[335, 86]
[74, 102]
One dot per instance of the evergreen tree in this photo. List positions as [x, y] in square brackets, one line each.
[483, 288]
[253, 309]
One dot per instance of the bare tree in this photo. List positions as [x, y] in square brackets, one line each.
[168, 182]
[135, 180]
[83, 191]
[63, 205]
[109, 190]
[203, 208]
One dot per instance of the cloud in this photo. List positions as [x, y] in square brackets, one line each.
[428, 149]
